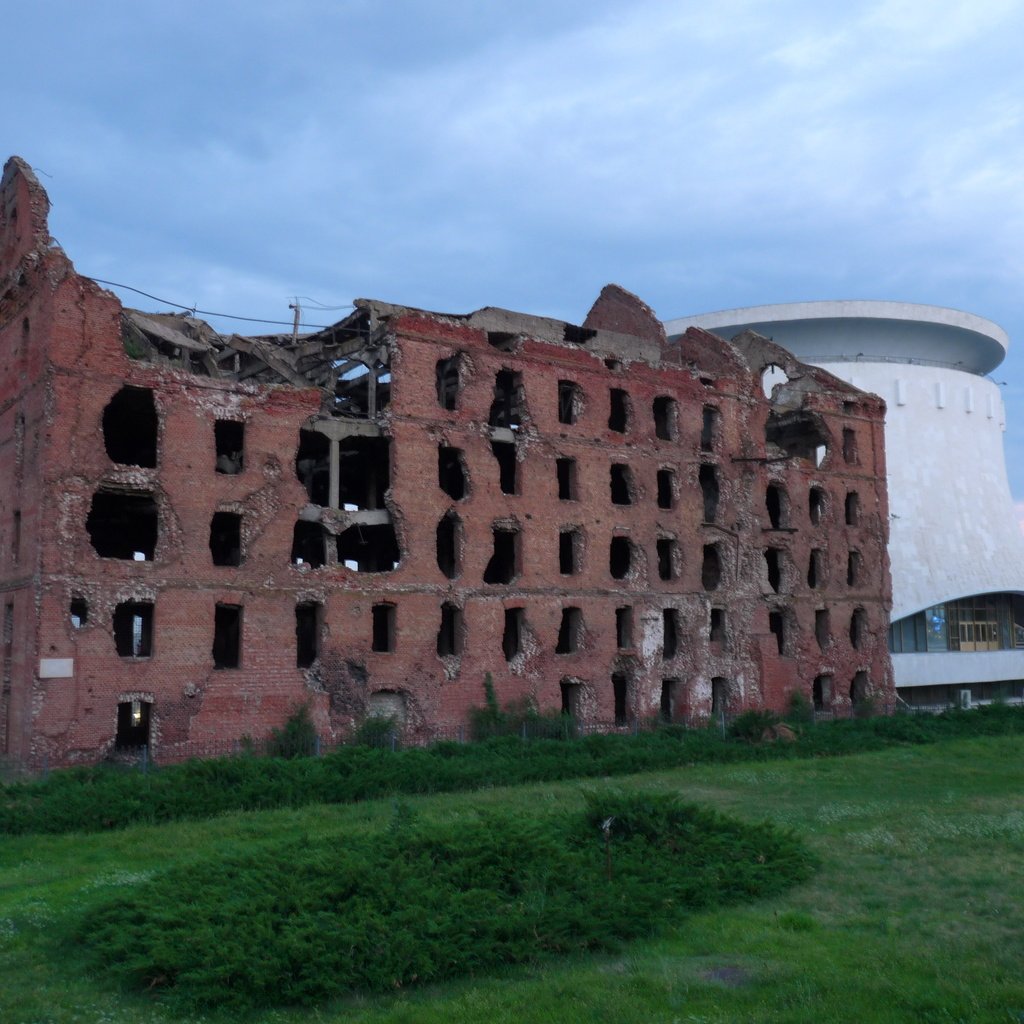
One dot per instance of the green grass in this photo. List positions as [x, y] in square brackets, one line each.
[915, 913]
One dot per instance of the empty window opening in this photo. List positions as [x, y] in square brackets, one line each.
[668, 558]
[669, 692]
[711, 568]
[571, 699]
[771, 377]
[362, 389]
[621, 484]
[308, 624]
[570, 544]
[624, 628]
[799, 434]
[313, 466]
[448, 382]
[16, 537]
[666, 488]
[665, 418]
[615, 365]
[133, 629]
[709, 428]
[229, 440]
[450, 633]
[130, 428]
[567, 482]
[816, 505]
[227, 636]
[618, 416]
[716, 632]
[503, 566]
[451, 472]
[773, 561]
[852, 508]
[508, 466]
[512, 637]
[719, 696]
[383, 638]
[815, 565]
[391, 704]
[850, 454]
[226, 538]
[570, 632]
[309, 544]
[708, 480]
[503, 341]
[79, 612]
[859, 689]
[506, 409]
[858, 627]
[620, 557]
[570, 401]
[620, 694]
[777, 503]
[821, 692]
[449, 545]
[364, 473]
[123, 524]
[132, 724]
[669, 633]
[369, 548]
[853, 565]
[577, 335]
[777, 624]
[823, 628]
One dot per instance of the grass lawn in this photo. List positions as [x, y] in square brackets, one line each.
[916, 913]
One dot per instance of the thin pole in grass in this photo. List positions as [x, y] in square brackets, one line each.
[606, 828]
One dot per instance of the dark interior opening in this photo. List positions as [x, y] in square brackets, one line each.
[227, 636]
[309, 544]
[859, 688]
[568, 401]
[777, 624]
[774, 501]
[448, 382]
[508, 466]
[369, 548]
[308, 620]
[620, 484]
[570, 698]
[853, 563]
[852, 508]
[719, 696]
[79, 611]
[229, 440]
[708, 480]
[383, 640]
[665, 488]
[669, 689]
[667, 548]
[799, 434]
[821, 692]
[814, 564]
[669, 633]
[512, 637]
[503, 341]
[620, 693]
[133, 717]
[226, 538]
[130, 428]
[664, 418]
[620, 557]
[133, 629]
[849, 446]
[711, 568]
[577, 335]
[449, 634]
[566, 470]
[858, 626]
[506, 409]
[451, 472]
[716, 633]
[624, 627]
[822, 628]
[313, 466]
[570, 631]
[618, 416]
[708, 428]
[123, 524]
[361, 390]
[364, 473]
[568, 552]
[503, 566]
[449, 540]
[773, 560]
[815, 505]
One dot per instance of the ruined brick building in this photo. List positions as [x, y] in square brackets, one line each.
[201, 532]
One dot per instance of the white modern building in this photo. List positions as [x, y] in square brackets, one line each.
[956, 551]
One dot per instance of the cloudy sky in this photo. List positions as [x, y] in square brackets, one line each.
[458, 153]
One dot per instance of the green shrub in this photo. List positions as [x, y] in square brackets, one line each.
[376, 731]
[751, 725]
[296, 738]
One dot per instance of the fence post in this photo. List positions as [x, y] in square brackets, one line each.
[46, 766]
[144, 761]
[394, 739]
[316, 745]
[524, 731]
[461, 734]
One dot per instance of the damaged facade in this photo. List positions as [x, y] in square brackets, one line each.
[201, 532]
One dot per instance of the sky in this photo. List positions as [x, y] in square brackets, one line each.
[455, 154]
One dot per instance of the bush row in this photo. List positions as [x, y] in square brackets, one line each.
[298, 922]
[89, 799]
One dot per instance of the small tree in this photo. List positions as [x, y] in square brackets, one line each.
[296, 738]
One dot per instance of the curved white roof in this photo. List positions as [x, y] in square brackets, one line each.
[864, 330]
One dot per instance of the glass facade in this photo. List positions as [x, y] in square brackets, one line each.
[984, 622]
